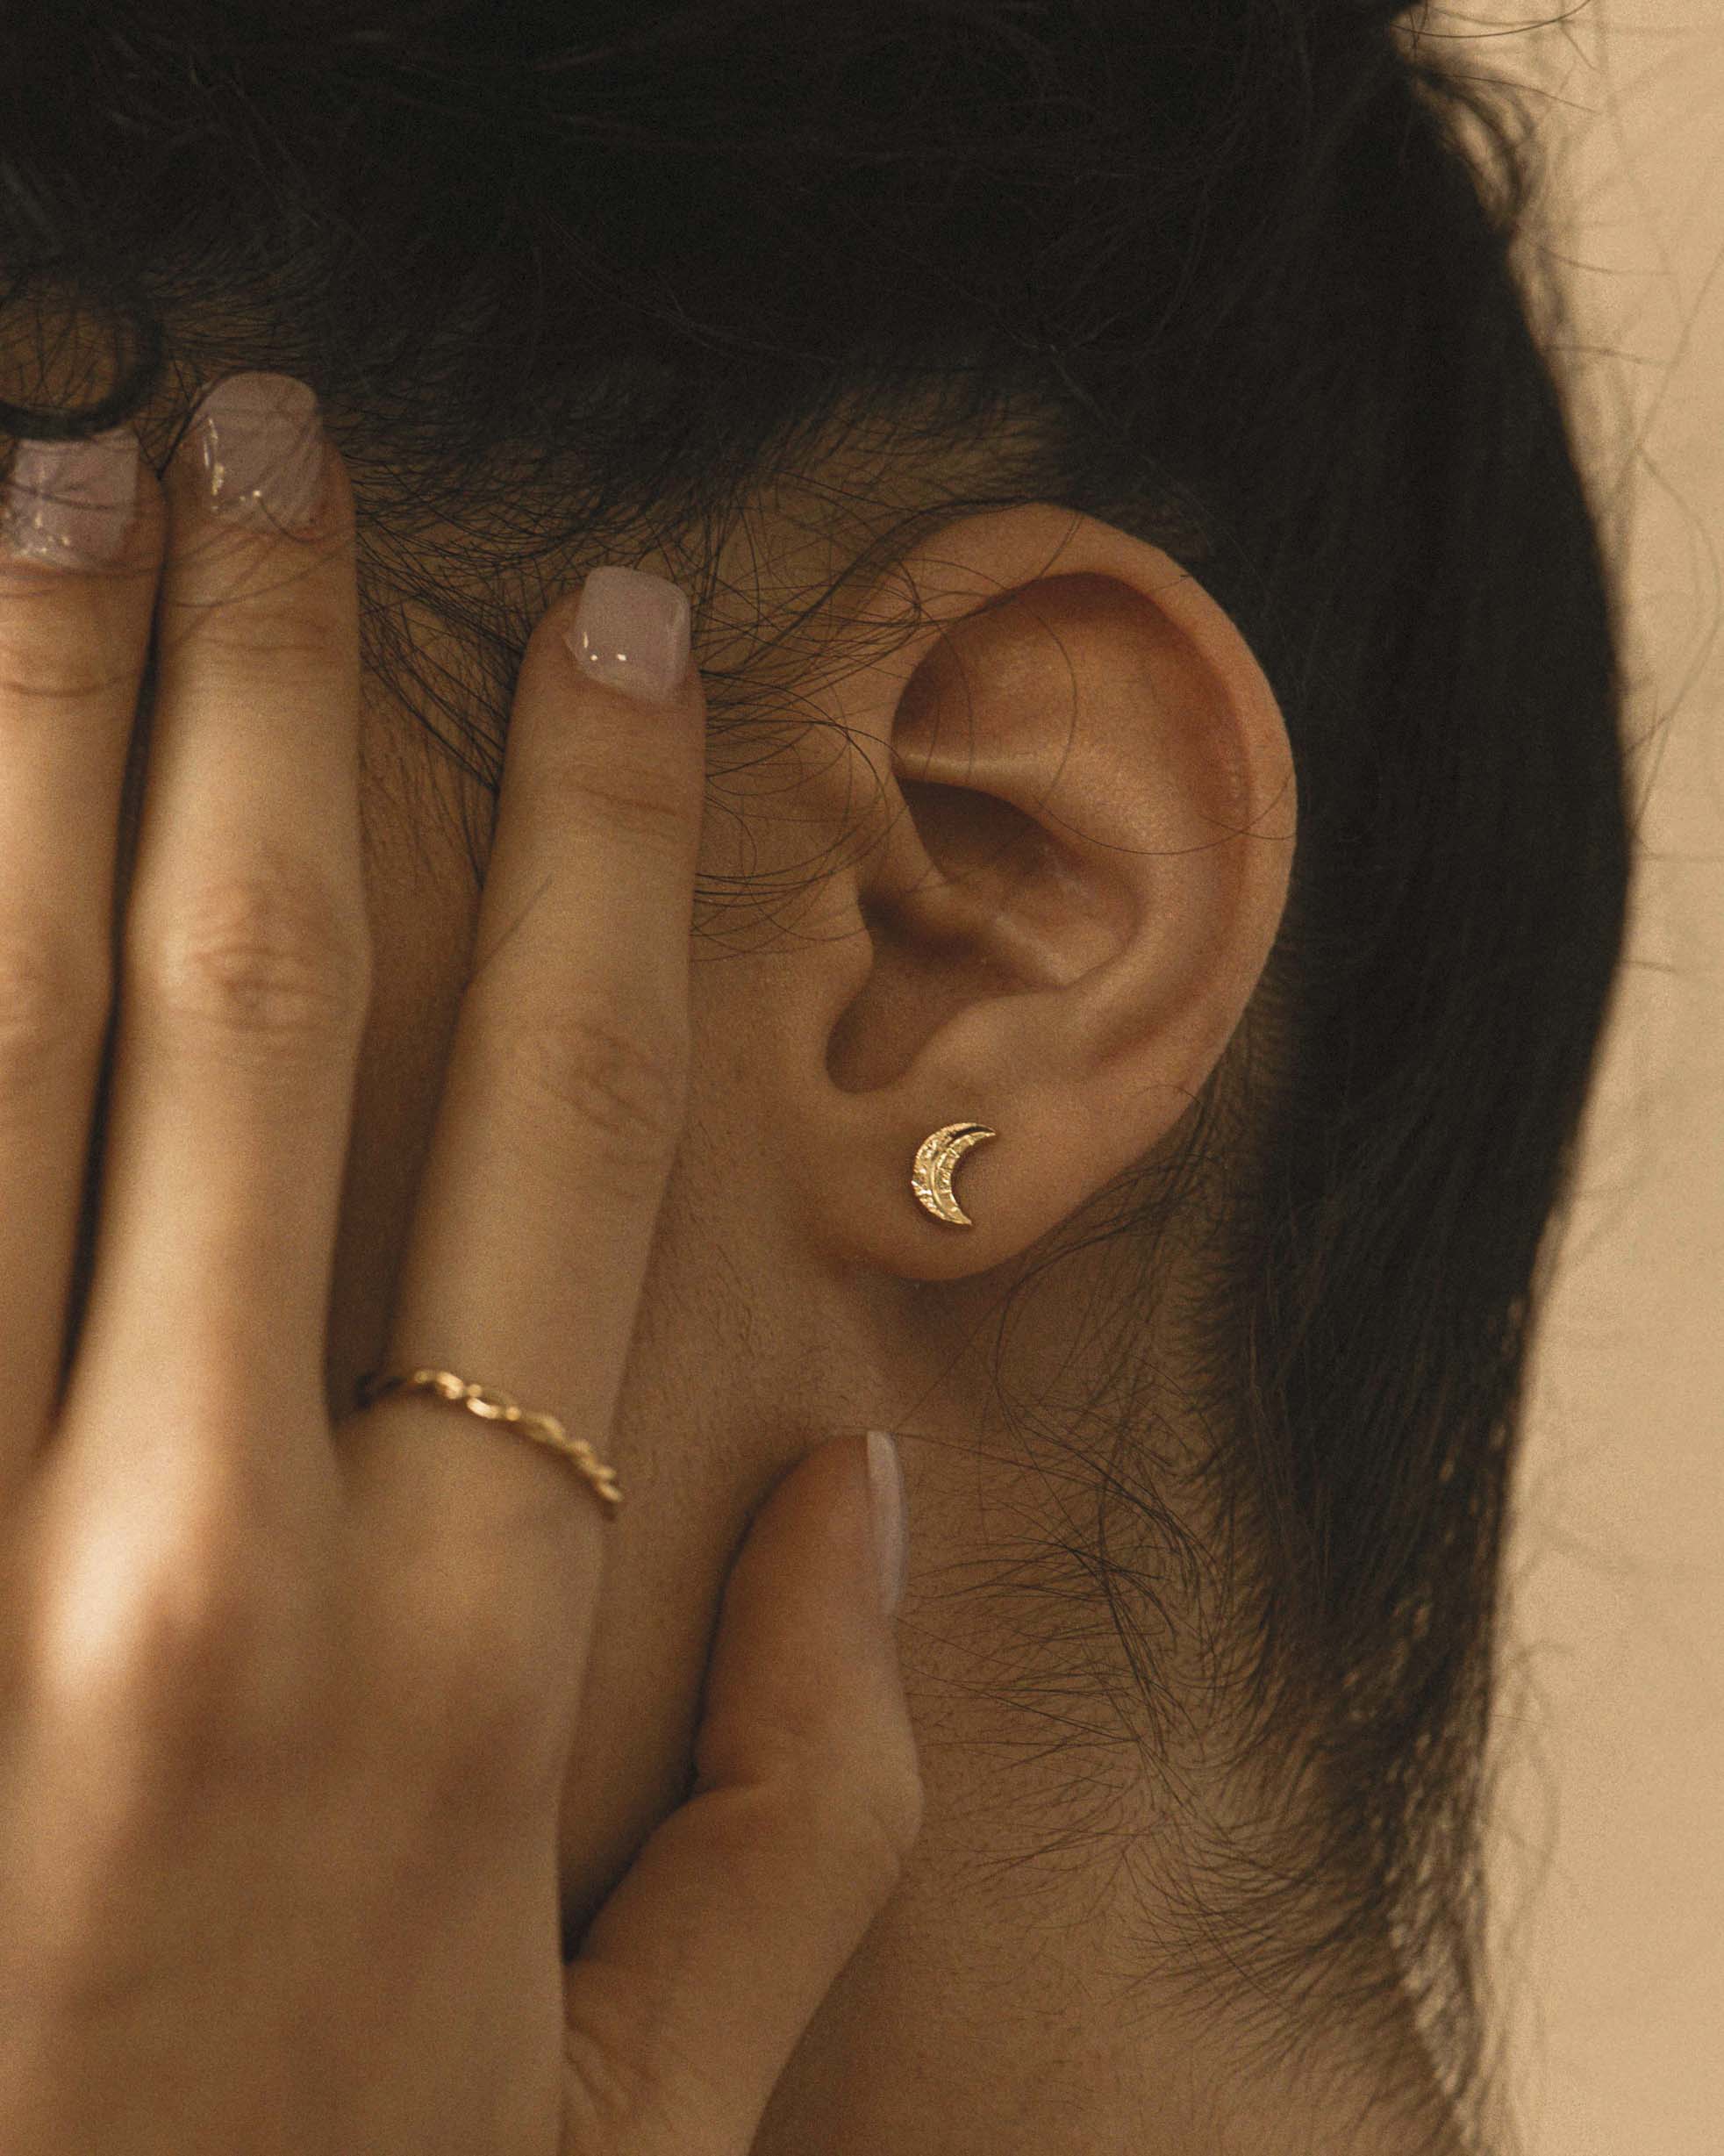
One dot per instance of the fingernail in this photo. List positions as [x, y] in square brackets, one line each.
[631, 631]
[71, 503]
[891, 1517]
[259, 446]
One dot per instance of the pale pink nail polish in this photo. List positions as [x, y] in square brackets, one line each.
[71, 503]
[631, 631]
[891, 1521]
[259, 444]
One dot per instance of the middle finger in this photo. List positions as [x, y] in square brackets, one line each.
[246, 970]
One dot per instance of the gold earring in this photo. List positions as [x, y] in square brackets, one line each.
[936, 1157]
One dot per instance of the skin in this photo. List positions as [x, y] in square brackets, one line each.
[1060, 941]
[1074, 793]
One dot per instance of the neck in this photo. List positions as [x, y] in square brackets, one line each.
[990, 2012]
[1024, 1989]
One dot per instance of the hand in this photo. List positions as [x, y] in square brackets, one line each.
[286, 1710]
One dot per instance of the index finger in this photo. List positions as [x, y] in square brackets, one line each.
[563, 1097]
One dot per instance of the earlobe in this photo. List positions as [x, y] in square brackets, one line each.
[1088, 816]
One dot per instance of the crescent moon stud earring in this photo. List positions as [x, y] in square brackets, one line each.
[937, 1157]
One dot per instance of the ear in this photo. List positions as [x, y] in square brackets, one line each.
[1084, 814]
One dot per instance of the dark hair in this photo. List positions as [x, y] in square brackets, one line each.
[573, 280]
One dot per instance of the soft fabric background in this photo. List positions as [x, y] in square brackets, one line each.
[1608, 1859]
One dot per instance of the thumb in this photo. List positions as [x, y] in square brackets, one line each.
[698, 1976]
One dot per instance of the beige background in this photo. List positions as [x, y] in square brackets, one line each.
[1607, 1862]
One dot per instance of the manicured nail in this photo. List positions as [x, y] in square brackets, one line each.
[891, 1517]
[71, 503]
[259, 446]
[631, 631]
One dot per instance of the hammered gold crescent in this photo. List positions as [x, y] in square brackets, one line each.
[936, 1157]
